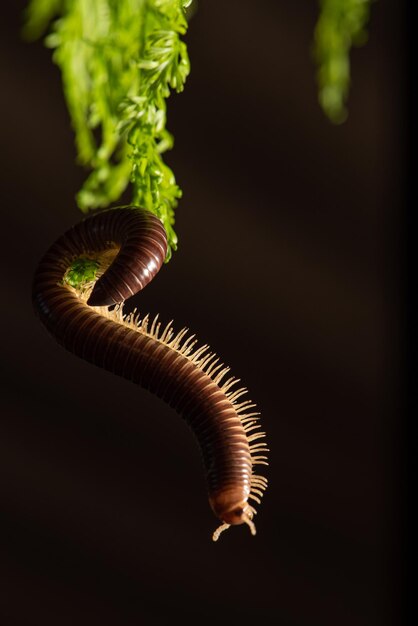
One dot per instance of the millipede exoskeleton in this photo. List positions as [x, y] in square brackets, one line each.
[123, 249]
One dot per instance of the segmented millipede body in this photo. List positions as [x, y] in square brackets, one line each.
[130, 246]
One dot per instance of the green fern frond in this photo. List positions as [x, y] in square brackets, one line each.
[120, 60]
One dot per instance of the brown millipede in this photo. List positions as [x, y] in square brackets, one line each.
[129, 245]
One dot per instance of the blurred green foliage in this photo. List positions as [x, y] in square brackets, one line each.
[341, 24]
[119, 61]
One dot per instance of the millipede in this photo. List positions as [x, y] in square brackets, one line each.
[128, 246]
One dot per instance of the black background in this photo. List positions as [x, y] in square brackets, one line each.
[291, 266]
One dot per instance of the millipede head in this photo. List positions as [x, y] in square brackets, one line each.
[241, 515]
[232, 511]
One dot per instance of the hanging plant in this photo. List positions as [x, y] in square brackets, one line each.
[119, 61]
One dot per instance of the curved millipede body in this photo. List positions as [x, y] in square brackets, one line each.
[130, 245]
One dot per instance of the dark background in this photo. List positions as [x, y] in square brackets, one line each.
[291, 267]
